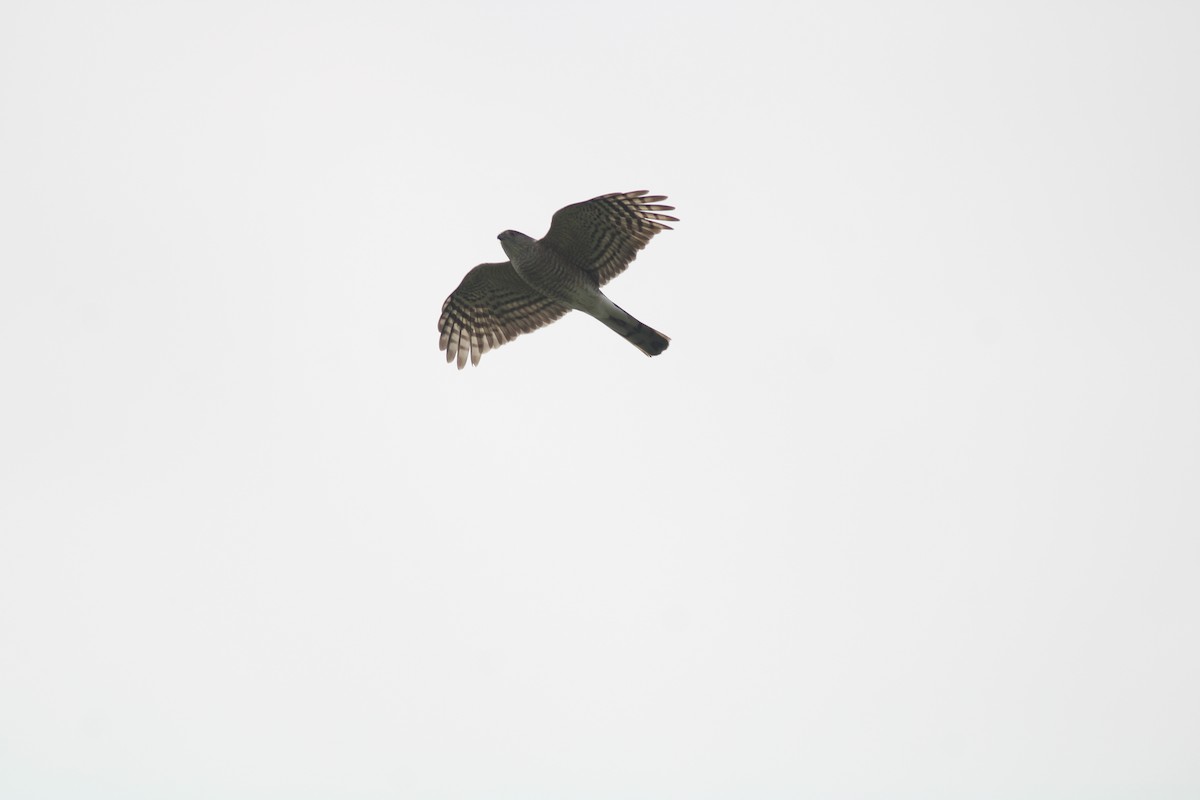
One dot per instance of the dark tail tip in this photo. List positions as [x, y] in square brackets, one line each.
[648, 340]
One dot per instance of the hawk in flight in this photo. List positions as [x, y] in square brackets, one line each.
[588, 244]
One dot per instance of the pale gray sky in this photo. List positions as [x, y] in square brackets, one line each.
[908, 510]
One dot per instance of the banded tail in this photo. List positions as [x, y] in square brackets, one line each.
[641, 336]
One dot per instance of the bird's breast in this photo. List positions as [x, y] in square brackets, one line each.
[554, 276]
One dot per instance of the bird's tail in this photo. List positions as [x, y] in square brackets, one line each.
[643, 337]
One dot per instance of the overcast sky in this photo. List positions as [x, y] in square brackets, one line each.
[909, 509]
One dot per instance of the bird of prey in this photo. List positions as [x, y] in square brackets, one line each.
[588, 244]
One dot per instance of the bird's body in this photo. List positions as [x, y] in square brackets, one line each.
[588, 244]
[550, 273]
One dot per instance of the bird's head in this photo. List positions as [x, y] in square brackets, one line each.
[515, 243]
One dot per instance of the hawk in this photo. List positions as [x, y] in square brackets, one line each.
[588, 244]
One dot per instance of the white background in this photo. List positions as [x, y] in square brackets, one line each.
[908, 510]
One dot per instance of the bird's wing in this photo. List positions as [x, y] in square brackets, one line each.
[604, 234]
[491, 306]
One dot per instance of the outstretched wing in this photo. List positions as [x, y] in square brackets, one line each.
[604, 234]
[491, 306]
